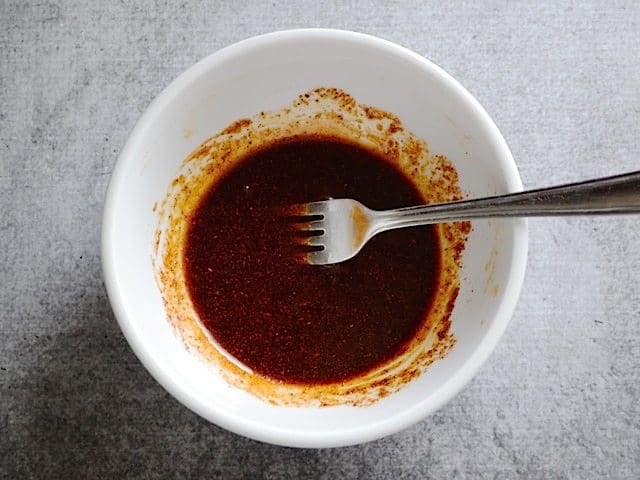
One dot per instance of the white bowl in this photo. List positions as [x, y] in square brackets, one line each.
[267, 73]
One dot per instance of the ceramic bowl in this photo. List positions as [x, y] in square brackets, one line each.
[267, 73]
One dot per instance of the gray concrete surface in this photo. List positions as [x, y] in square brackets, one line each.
[558, 399]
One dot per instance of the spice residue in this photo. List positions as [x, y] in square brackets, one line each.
[322, 371]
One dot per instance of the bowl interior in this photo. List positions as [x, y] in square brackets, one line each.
[266, 73]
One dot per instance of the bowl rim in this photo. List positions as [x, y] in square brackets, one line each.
[270, 433]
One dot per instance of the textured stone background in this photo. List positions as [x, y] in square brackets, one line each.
[558, 399]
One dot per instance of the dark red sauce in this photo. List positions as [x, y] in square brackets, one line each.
[295, 322]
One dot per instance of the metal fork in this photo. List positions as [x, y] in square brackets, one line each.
[339, 228]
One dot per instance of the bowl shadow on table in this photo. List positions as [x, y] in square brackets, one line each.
[86, 407]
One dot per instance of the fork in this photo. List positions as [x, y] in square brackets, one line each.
[339, 228]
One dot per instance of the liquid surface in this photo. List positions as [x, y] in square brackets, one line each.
[294, 322]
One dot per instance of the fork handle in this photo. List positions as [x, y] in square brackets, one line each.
[611, 195]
